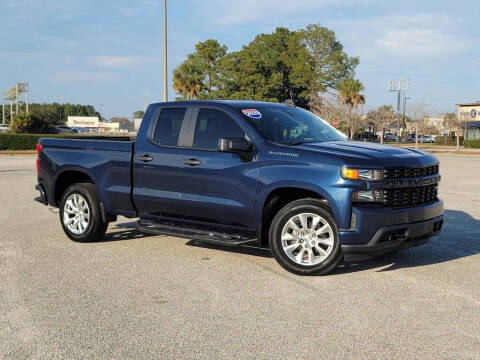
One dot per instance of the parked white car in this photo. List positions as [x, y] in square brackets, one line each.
[4, 127]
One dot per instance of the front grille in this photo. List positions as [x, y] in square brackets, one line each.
[410, 196]
[405, 172]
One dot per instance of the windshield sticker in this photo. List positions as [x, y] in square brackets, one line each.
[253, 113]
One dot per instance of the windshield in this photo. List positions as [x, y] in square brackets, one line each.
[291, 126]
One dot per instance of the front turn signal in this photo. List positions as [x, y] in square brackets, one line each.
[350, 174]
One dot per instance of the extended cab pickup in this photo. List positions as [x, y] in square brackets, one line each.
[244, 172]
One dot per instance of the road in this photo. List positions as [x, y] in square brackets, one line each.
[152, 297]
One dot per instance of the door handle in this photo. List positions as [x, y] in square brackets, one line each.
[191, 162]
[145, 158]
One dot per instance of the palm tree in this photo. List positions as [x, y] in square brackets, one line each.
[349, 95]
[188, 80]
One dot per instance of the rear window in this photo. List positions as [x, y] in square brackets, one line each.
[168, 126]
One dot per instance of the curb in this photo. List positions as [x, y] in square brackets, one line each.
[18, 152]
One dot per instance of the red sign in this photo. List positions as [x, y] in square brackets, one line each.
[335, 123]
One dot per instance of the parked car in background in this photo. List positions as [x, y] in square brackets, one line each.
[366, 136]
[4, 128]
[389, 137]
[427, 139]
[411, 138]
[63, 129]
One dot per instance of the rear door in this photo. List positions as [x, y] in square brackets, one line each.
[156, 163]
[216, 187]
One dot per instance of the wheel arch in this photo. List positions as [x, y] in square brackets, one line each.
[67, 178]
[279, 196]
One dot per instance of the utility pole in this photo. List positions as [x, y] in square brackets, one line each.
[165, 80]
[146, 98]
[405, 98]
[26, 99]
[16, 98]
[399, 86]
[3, 109]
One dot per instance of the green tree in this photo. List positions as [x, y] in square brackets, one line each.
[208, 58]
[57, 114]
[269, 68]
[188, 79]
[273, 67]
[349, 95]
[381, 118]
[28, 123]
[329, 64]
[138, 114]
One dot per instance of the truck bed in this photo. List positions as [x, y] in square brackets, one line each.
[108, 163]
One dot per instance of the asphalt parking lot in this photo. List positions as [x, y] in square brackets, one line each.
[152, 297]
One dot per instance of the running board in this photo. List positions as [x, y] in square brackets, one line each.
[198, 234]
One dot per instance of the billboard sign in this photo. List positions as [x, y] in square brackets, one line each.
[83, 121]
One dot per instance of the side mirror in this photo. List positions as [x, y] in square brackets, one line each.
[234, 145]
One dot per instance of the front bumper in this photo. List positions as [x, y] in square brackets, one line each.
[381, 230]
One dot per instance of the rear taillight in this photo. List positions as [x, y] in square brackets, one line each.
[38, 147]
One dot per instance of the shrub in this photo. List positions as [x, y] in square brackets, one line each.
[472, 143]
[12, 141]
[451, 140]
[28, 123]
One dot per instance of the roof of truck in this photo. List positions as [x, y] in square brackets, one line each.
[238, 104]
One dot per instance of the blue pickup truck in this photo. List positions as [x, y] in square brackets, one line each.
[246, 173]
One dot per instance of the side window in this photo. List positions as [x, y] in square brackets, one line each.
[168, 126]
[212, 125]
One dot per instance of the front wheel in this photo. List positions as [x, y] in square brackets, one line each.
[81, 214]
[304, 238]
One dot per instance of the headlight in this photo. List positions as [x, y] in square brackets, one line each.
[372, 196]
[362, 174]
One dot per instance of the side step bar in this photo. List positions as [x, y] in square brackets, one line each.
[189, 232]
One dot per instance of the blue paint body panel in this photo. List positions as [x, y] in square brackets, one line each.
[225, 189]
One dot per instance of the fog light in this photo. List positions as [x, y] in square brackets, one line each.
[367, 196]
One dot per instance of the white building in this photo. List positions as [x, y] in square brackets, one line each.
[93, 124]
[87, 122]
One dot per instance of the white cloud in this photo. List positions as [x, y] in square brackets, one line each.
[425, 42]
[120, 61]
[81, 75]
[410, 36]
[276, 11]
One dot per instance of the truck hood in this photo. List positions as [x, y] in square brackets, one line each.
[371, 154]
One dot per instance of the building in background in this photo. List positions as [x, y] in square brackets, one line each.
[92, 124]
[84, 123]
[469, 111]
[108, 128]
[469, 115]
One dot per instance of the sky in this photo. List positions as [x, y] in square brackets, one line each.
[104, 53]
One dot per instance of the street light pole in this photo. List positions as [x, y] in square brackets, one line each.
[165, 82]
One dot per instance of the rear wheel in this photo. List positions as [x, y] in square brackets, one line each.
[303, 238]
[80, 213]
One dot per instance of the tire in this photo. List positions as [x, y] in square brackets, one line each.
[81, 214]
[311, 249]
